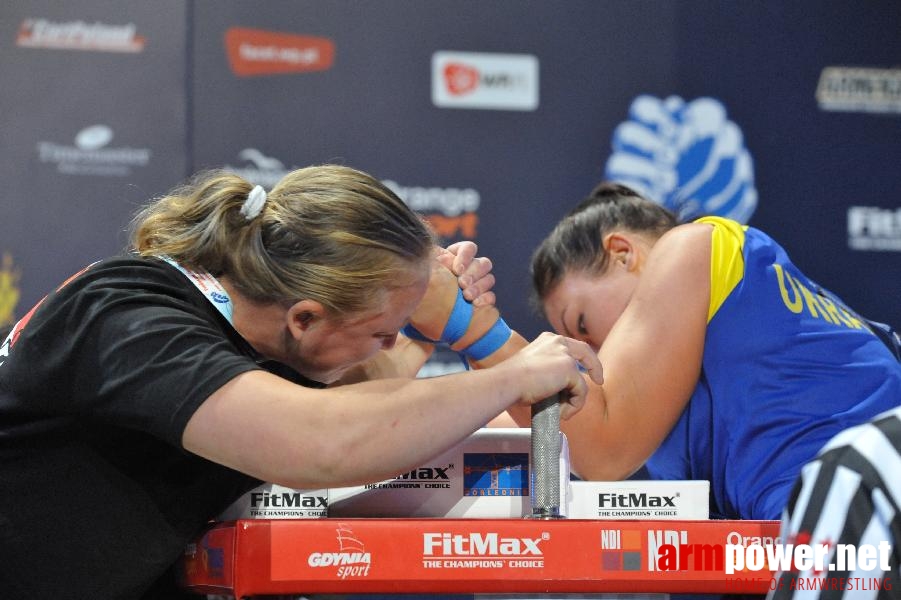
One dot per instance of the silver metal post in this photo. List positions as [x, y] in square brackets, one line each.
[545, 471]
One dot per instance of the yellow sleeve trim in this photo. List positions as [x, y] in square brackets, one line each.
[727, 263]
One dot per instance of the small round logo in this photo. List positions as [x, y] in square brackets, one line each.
[220, 298]
[94, 137]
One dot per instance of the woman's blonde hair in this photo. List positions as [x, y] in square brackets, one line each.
[326, 233]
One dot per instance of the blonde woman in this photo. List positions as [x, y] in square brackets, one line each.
[150, 390]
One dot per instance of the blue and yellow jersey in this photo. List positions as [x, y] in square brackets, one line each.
[786, 366]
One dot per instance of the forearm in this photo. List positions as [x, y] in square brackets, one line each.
[404, 360]
[400, 425]
[587, 432]
[521, 414]
[276, 431]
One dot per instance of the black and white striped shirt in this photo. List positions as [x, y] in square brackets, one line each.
[849, 494]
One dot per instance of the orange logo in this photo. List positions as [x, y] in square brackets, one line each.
[460, 78]
[254, 52]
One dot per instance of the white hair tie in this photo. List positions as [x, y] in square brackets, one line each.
[254, 203]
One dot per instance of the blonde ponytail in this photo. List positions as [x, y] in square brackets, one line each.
[326, 233]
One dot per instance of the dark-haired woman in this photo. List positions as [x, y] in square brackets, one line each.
[722, 360]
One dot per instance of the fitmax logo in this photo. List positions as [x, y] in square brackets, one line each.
[287, 500]
[607, 500]
[477, 544]
[427, 474]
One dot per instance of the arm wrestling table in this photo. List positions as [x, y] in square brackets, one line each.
[450, 556]
[542, 554]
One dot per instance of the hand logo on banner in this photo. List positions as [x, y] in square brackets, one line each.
[687, 156]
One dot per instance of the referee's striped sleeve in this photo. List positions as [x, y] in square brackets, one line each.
[849, 495]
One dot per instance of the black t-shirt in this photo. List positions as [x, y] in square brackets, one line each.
[97, 496]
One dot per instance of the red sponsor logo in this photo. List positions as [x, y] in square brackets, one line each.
[460, 79]
[254, 52]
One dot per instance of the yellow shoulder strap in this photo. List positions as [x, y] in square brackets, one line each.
[727, 264]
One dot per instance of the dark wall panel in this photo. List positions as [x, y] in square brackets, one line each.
[92, 114]
[105, 105]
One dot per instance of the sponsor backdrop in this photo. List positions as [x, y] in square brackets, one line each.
[492, 119]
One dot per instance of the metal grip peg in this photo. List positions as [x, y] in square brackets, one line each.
[545, 468]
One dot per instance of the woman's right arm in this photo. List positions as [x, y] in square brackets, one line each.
[652, 361]
[279, 432]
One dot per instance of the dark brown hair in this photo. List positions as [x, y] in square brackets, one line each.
[577, 242]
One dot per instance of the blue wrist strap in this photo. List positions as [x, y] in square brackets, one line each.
[489, 343]
[456, 326]
[414, 334]
[458, 322]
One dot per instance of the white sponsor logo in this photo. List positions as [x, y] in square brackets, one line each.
[91, 155]
[851, 89]
[451, 212]
[451, 202]
[93, 137]
[481, 551]
[487, 81]
[259, 169]
[292, 56]
[873, 228]
[78, 35]
[479, 544]
[351, 559]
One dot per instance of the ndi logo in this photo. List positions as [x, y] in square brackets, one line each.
[620, 550]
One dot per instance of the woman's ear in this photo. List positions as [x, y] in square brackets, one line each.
[620, 248]
[303, 315]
